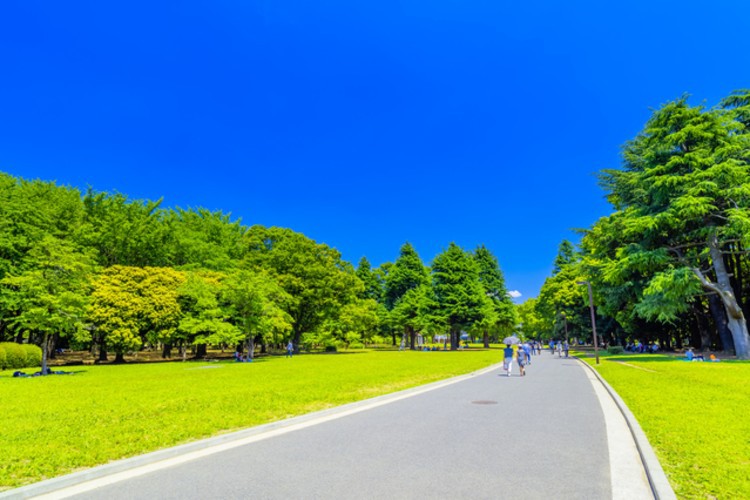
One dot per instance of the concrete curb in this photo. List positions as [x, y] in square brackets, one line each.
[657, 479]
[221, 442]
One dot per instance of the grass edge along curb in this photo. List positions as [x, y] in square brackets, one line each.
[56, 484]
[657, 479]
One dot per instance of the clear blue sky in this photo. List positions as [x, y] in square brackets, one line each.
[362, 124]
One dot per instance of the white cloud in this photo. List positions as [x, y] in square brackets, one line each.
[515, 294]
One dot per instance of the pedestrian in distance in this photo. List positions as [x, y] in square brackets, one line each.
[559, 349]
[566, 348]
[289, 349]
[526, 350]
[521, 356]
[508, 358]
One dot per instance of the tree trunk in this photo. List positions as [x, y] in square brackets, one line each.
[454, 339]
[297, 338]
[45, 350]
[166, 351]
[486, 339]
[250, 347]
[735, 317]
[103, 350]
[53, 341]
[412, 336]
[704, 334]
[200, 352]
[119, 358]
[720, 320]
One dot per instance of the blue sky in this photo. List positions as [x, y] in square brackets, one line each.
[360, 124]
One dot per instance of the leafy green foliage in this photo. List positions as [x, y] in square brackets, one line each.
[374, 284]
[257, 307]
[15, 357]
[33, 355]
[318, 281]
[499, 314]
[203, 320]
[460, 299]
[407, 273]
[683, 204]
[131, 304]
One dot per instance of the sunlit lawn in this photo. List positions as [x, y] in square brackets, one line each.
[57, 424]
[695, 415]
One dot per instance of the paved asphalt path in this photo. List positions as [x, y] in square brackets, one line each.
[489, 436]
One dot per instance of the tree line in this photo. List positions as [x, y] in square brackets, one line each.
[100, 271]
[670, 263]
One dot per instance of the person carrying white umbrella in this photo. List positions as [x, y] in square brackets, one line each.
[508, 353]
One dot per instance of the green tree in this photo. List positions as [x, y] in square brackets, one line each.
[684, 192]
[125, 232]
[49, 293]
[409, 314]
[318, 281]
[562, 300]
[373, 284]
[502, 313]
[204, 321]
[132, 304]
[532, 325]
[201, 239]
[31, 211]
[459, 295]
[357, 321]
[257, 306]
[406, 273]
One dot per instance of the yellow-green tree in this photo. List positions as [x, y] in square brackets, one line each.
[132, 304]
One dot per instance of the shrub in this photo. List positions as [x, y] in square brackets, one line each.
[331, 348]
[356, 345]
[615, 349]
[15, 356]
[33, 354]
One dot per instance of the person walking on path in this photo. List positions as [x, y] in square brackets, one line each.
[289, 349]
[526, 351]
[521, 361]
[566, 348]
[559, 349]
[508, 361]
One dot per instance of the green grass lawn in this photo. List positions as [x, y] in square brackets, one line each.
[696, 417]
[58, 424]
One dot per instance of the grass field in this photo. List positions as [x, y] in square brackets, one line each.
[695, 416]
[61, 423]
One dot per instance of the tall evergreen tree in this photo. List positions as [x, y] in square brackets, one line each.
[459, 295]
[373, 286]
[406, 273]
[685, 194]
[493, 283]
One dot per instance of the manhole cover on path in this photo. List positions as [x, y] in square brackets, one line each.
[484, 402]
